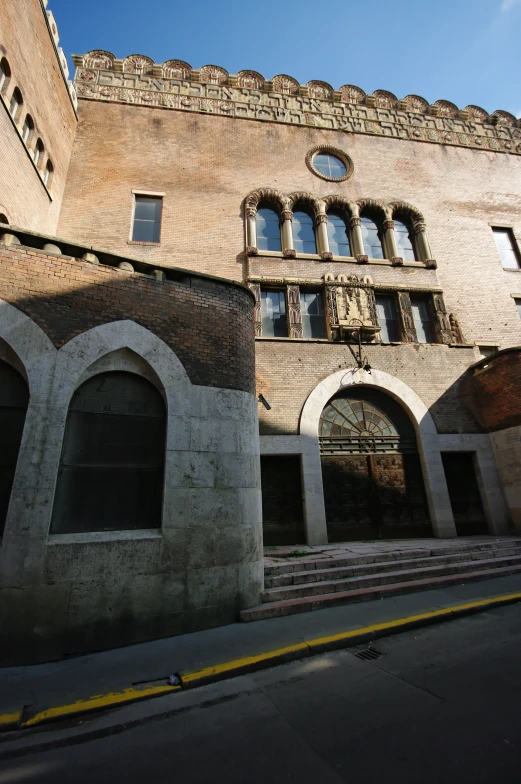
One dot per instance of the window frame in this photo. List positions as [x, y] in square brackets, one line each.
[271, 208]
[5, 78]
[19, 104]
[314, 228]
[321, 296]
[281, 290]
[433, 332]
[380, 235]
[29, 125]
[48, 173]
[411, 236]
[514, 246]
[38, 153]
[136, 194]
[392, 295]
[336, 214]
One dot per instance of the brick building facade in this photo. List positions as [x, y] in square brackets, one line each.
[379, 239]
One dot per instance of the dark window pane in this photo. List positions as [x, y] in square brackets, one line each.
[268, 230]
[111, 472]
[14, 398]
[338, 236]
[404, 241]
[274, 319]
[303, 233]
[312, 314]
[371, 239]
[518, 306]
[387, 313]
[506, 246]
[421, 313]
[147, 219]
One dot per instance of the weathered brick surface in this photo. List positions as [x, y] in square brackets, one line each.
[28, 47]
[287, 372]
[208, 324]
[491, 391]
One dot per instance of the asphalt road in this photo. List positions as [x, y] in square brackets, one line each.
[442, 704]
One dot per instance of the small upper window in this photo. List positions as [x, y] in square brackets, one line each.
[507, 248]
[147, 219]
[16, 103]
[303, 233]
[274, 319]
[5, 74]
[421, 313]
[338, 236]
[27, 128]
[268, 230]
[518, 306]
[329, 165]
[404, 241]
[371, 238]
[38, 152]
[312, 314]
[48, 172]
[3, 219]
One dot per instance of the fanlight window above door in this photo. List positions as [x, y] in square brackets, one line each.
[355, 419]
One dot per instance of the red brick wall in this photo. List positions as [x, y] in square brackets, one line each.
[208, 323]
[491, 390]
[26, 43]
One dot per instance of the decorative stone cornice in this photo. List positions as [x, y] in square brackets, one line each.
[248, 95]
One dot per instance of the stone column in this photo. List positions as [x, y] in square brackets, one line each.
[322, 238]
[287, 235]
[251, 231]
[423, 250]
[357, 244]
[390, 247]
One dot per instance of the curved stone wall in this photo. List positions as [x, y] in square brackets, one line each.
[62, 321]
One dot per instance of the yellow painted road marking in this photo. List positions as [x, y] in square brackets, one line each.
[236, 665]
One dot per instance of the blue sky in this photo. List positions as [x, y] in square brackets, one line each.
[464, 51]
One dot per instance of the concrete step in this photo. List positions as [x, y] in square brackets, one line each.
[400, 575]
[356, 569]
[325, 562]
[309, 604]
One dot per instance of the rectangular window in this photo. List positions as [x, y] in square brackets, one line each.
[274, 319]
[147, 219]
[518, 306]
[312, 314]
[507, 248]
[422, 316]
[388, 320]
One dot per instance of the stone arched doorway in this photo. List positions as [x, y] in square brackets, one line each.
[371, 470]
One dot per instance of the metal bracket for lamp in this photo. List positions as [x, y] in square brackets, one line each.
[356, 329]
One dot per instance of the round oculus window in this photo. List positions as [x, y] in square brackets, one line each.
[329, 163]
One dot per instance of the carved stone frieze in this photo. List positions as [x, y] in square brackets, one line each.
[294, 313]
[257, 311]
[247, 96]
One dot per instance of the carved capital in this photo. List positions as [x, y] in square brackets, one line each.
[320, 217]
[252, 251]
[286, 215]
[355, 220]
[388, 225]
[326, 255]
[397, 261]
[419, 227]
[290, 253]
[362, 258]
[431, 264]
[250, 210]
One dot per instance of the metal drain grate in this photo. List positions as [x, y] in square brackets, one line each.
[367, 654]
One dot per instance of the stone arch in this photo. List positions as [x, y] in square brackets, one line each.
[351, 94]
[176, 69]
[415, 103]
[504, 118]
[321, 90]
[282, 83]
[250, 80]
[384, 99]
[213, 74]
[476, 113]
[425, 428]
[306, 200]
[30, 344]
[407, 211]
[446, 108]
[334, 202]
[372, 206]
[268, 196]
[99, 58]
[138, 64]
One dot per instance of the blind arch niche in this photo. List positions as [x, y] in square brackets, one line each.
[112, 464]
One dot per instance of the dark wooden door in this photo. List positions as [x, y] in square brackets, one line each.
[374, 496]
[282, 510]
[465, 498]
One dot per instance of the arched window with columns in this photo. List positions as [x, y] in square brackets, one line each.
[268, 229]
[112, 463]
[303, 233]
[5, 75]
[15, 104]
[371, 237]
[338, 235]
[404, 236]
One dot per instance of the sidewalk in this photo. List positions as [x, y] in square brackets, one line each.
[27, 693]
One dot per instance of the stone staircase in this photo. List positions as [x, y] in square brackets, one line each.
[314, 582]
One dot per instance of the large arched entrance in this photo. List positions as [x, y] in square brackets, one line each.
[372, 477]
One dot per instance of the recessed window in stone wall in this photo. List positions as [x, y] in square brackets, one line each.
[14, 398]
[507, 247]
[147, 219]
[329, 163]
[112, 463]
